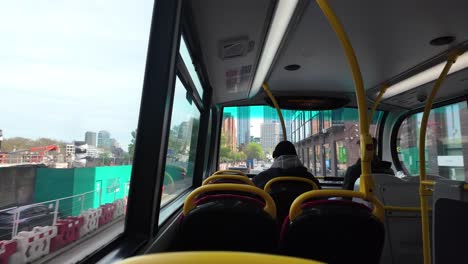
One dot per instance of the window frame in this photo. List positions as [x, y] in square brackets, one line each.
[396, 127]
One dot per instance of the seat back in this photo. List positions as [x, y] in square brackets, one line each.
[333, 231]
[227, 178]
[284, 190]
[229, 222]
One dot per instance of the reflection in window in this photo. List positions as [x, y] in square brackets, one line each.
[182, 147]
[446, 142]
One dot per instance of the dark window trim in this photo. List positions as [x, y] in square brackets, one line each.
[151, 141]
[187, 81]
[396, 127]
[380, 134]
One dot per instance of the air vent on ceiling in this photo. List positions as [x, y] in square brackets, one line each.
[234, 48]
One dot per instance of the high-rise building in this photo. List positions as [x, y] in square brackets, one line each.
[90, 138]
[230, 131]
[269, 115]
[243, 126]
[269, 135]
[104, 139]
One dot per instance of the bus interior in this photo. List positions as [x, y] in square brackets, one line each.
[223, 82]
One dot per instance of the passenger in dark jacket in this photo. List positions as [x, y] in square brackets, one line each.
[286, 164]
[377, 166]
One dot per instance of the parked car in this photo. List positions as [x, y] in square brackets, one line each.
[29, 217]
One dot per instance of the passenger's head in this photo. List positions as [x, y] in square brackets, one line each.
[284, 148]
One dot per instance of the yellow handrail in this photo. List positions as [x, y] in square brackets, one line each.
[214, 257]
[280, 115]
[377, 101]
[270, 206]
[289, 178]
[229, 172]
[367, 149]
[296, 208]
[241, 178]
[423, 192]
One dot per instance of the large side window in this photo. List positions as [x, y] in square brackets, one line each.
[446, 142]
[326, 141]
[71, 84]
[182, 147]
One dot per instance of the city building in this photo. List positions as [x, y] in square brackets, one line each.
[243, 126]
[70, 150]
[92, 152]
[90, 138]
[269, 136]
[270, 115]
[326, 141]
[104, 140]
[230, 131]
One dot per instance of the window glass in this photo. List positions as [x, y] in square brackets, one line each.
[185, 54]
[304, 128]
[328, 160]
[182, 147]
[71, 80]
[446, 142]
[318, 161]
[341, 158]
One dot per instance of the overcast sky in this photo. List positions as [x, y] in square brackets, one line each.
[67, 67]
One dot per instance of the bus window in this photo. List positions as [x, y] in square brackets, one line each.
[446, 142]
[326, 141]
[185, 54]
[183, 136]
[71, 83]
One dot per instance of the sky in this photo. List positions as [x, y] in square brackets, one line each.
[67, 67]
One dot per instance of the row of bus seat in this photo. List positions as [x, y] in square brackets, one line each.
[230, 214]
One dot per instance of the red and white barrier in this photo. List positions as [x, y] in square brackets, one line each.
[34, 244]
[107, 214]
[45, 234]
[119, 208]
[7, 249]
[91, 220]
[78, 222]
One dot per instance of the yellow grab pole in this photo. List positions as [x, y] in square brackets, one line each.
[377, 101]
[367, 149]
[280, 115]
[423, 192]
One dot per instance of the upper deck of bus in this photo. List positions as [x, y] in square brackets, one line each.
[184, 84]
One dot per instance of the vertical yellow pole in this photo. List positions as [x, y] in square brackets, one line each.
[278, 109]
[376, 103]
[367, 149]
[423, 191]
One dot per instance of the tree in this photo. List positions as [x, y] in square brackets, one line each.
[20, 143]
[131, 146]
[254, 151]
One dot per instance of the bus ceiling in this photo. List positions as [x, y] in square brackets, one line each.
[291, 46]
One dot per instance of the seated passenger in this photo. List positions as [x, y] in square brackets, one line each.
[377, 166]
[286, 163]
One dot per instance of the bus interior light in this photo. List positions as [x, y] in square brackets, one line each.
[426, 76]
[280, 22]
